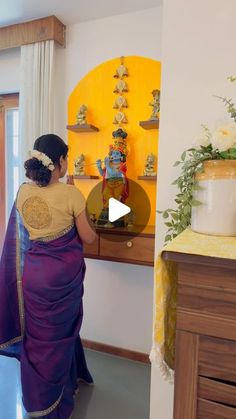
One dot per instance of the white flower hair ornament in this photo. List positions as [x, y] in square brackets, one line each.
[46, 161]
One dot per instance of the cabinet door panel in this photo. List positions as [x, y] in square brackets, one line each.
[186, 375]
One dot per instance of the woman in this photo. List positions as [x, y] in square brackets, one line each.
[41, 283]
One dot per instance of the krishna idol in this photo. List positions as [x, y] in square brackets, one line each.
[115, 183]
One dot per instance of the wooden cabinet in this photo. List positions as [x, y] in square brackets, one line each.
[91, 250]
[205, 364]
[123, 245]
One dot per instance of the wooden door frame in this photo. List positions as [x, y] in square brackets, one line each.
[9, 101]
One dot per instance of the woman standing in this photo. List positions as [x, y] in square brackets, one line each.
[41, 283]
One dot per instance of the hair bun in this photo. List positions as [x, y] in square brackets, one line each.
[45, 157]
[36, 171]
[33, 164]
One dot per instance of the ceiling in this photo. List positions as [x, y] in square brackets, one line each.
[68, 11]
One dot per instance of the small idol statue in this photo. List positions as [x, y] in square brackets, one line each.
[155, 104]
[121, 87]
[79, 164]
[81, 115]
[120, 103]
[150, 164]
[115, 182]
[122, 70]
[120, 118]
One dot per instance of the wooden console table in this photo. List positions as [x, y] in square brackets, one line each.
[123, 245]
[205, 362]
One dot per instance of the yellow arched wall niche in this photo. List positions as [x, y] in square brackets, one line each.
[96, 91]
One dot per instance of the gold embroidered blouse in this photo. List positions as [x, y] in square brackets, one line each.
[46, 211]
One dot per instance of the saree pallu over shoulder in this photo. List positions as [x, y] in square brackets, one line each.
[11, 294]
[48, 318]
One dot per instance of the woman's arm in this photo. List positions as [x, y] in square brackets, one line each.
[85, 227]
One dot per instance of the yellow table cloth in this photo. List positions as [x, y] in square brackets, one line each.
[165, 290]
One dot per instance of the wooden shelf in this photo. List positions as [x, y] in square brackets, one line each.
[85, 177]
[147, 177]
[82, 128]
[150, 124]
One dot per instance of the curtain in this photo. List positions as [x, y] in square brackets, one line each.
[36, 94]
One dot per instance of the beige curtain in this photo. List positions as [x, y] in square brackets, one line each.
[36, 94]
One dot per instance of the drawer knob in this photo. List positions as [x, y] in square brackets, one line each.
[129, 244]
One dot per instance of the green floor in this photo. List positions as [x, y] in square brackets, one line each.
[121, 389]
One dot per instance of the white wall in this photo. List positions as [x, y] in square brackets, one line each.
[118, 297]
[198, 53]
[60, 105]
[9, 71]
[118, 304]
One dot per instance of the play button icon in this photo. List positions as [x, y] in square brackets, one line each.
[114, 219]
[117, 210]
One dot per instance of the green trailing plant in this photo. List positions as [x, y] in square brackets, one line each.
[219, 146]
[229, 105]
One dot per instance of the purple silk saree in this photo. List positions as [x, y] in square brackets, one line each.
[41, 311]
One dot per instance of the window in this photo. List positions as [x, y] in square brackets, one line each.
[9, 156]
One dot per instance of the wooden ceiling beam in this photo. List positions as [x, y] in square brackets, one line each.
[33, 31]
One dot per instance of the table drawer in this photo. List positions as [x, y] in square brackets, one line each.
[208, 324]
[217, 358]
[206, 300]
[93, 248]
[211, 410]
[128, 247]
[216, 391]
[208, 277]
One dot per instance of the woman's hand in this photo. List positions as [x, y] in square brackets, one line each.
[85, 227]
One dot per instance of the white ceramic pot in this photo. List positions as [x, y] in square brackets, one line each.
[217, 214]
